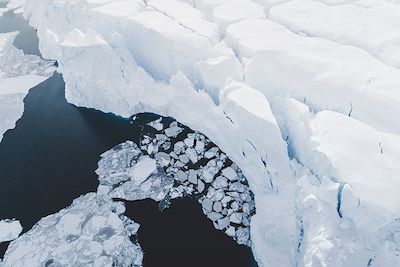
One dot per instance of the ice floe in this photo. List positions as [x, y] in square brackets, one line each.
[91, 232]
[9, 230]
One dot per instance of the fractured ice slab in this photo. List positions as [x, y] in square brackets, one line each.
[18, 73]
[9, 230]
[90, 232]
[124, 172]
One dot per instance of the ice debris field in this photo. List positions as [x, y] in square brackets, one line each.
[302, 95]
[165, 168]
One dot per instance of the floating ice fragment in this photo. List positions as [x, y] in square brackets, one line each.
[9, 230]
[207, 204]
[163, 159]
[236, 218]
[199, 146]
[189, 141]
[217, 206]
[230, 173]
[192, 177]
[214, 216]
[230, 231]
[173, 131]
[181, 176]
[223, 223]
[200, 186]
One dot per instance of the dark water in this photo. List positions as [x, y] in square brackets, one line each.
[50, 157]
[179, 237]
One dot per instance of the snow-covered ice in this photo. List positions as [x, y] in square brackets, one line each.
[9, 230]
[18, 74]
[302, 95]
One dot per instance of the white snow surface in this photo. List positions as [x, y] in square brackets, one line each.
[321, 75]
[9, 230]
[18, 74]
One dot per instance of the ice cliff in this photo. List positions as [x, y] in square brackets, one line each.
[302, 95]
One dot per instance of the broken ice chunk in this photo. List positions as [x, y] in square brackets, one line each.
[189, 141]
[184, 159]
[156, 124]
[200, 186]
[9, 230]
[230, 231]
[173, 131]
[212, 152]
[230, 173]
[161, 139]
[192, 155]
[192, 177]
[181, 176]
[223, 223]
[178, 146]
[209, 171]
[246, 208]
[150, 149]
[163, 159]
[226, 199]
[217, 206]
[238, 187]
[219, 195]
[214, 216]
[236, 217]
[242, 235]
[235, 206]
[166, 145]
[173, 155]
[199, 146]
[220, 182]
[207, 204]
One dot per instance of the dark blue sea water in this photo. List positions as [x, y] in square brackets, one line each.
[50, 157]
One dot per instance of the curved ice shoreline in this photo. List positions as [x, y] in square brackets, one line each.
[127, 57]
